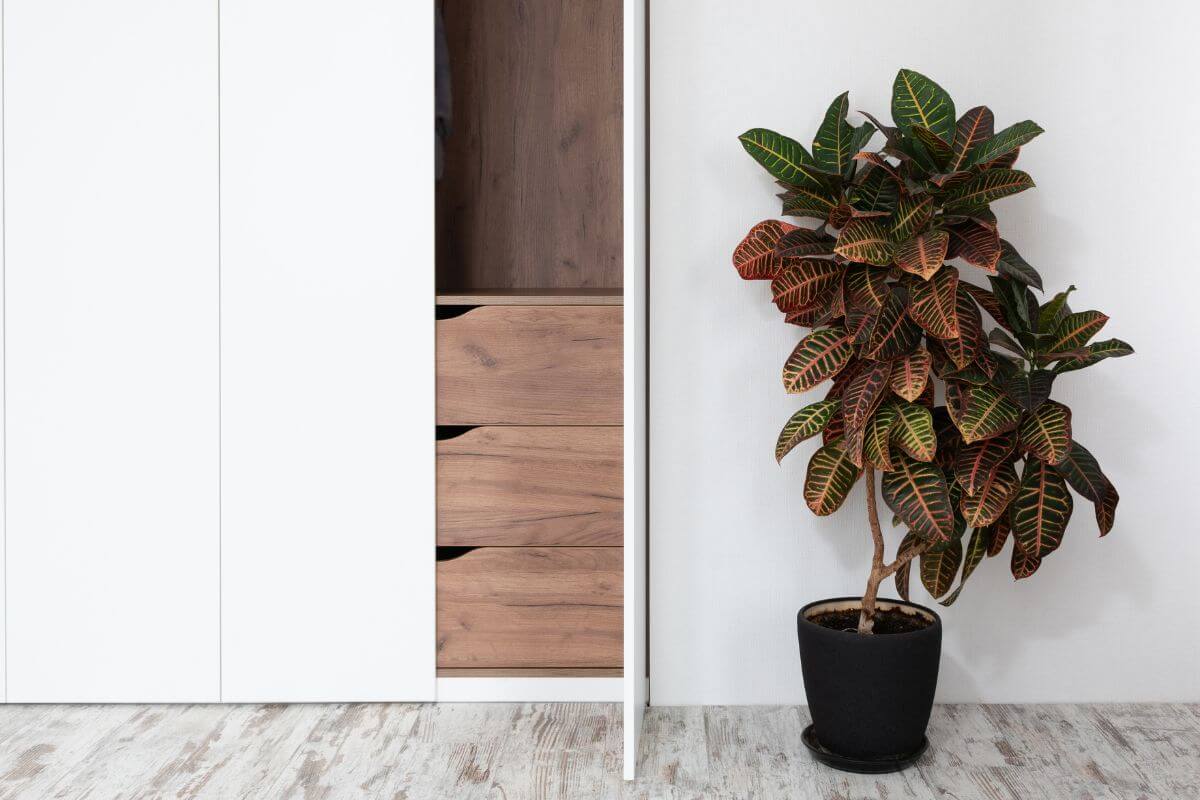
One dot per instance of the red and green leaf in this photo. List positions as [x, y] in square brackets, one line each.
[1005, 142]
[924, 254]
[974, 127]
[1013, 266]
[866, 286]
[1047, 432]
[801, 282]
[976, 549]
[1029, 389]
[975, 243]
[804, 201]
[876, 437]
[831, 475]
[998, 536]
[865, 241]
[803, 242]
[913, 431]
[913, 213]
[804, 424]
[1023, 564]
[919, 495]
[1106, 509]
[1074, 332]
[755, 257]
[986, 413]
[910, 374]
[1093, 353]
[864, 393]
[1083, 472]
[820, 355]
[939, 566]
[937, 148]
[978, 461]
[987, 187]
[902, 574]
[992, 497]
[1040, 509]
[892, 333]
[933, 303]
[917, 100]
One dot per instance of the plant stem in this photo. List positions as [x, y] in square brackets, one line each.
[879, 570]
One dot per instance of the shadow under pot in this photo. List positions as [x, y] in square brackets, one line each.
[870, 696]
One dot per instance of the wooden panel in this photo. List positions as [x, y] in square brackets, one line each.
[327, 342]
[530, 607]
[532, 672]
[550, 365]
[530, 486]
[532, 297]
[111, 273]
[531, 195]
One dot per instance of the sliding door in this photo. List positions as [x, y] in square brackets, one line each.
[111, 381]
[327, 350]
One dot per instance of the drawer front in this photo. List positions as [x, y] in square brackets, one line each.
[530, 486]
[540, 365]
[530, 607]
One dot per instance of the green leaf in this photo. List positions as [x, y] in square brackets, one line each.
[858, 140]
[1000, 338]
[802, 201]
[977, 461]
[918, 493]
[800, 282]
[1054, 311]
[866, 286]
[804, 424]
[1106, 510]
[831, 475]
[864, 393]
[803, 242]
[916, 100]
[1047, 432]
[784, 158]
[913, 431]
[986, 413]
[1013, 266]
[933, 303]
[987, 187]
[973, 128]
[992, 497]
[924, 254]
[1095, 352]
[832, 147]
[1040, 510]
[893, 333]
[820, 355]
[1004, 142]
[939, 566]
[976, 549]
[755, 257]
[876, 437]
[1073, 332]
[998, 535]
[938, 149]
[1029, 389]
[865, 241]
[877, 193]
[913, 213]
[1023, 564]
[910, 374]
[1083, 472]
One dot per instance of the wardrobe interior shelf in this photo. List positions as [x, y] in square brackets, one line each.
[530, 297]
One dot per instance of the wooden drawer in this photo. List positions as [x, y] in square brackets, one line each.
[530, 486]
[530, 607]
[538, 365]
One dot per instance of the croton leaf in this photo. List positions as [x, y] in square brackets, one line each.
[1023, 564]
[933, 303]
[1074, 332]
[866, 286]
[998, 535]
[913, 213]
[1083, 472]
[923, 254]
[910, 374]
[913, 431]
[987, 301]
[992, 497]
[985, 413]
[1013, 266]
[964, 349]
[1029, 389]
[877, 161]
[820, 355]
[803, 201]
[999, 337]
[976, 549]
[916, 100]
[1006, 141]
[835, 429]
[973, 128]
[1054, 310]
[976, 243]
[876, 193]
[803, 242]
[1106, 509]
[939, 566]
[862, 134]
[864, 393]
[831, 476]
[831, 147]
[918, 493]
[1094, 352]
[1040, 509]
[987, 187]
[892, 332]
[865, 241]
[876, 437]
[800, 282]
[939, 149]
[804, 424]
[977, 461]
[1047, 432]
[1001, 162]
[784, 158]
[902, 574]
[755, 257]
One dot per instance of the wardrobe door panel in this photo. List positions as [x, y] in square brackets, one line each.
[111, 382]
[328, 450]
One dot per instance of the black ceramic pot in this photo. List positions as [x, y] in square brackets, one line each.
[870, 696]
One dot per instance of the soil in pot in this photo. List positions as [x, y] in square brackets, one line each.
[886, 621]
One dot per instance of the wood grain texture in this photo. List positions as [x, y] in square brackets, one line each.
[578, 672]
[530, 486]
[531, 195]
[532, 297]
[547, 365]
[573, 751]
[535, 607]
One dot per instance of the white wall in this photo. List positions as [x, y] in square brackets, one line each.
[735, 551]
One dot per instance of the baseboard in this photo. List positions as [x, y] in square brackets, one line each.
[529, 690]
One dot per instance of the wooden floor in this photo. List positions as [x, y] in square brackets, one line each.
[509, 752]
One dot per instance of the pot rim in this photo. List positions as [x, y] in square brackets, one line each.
[855, 602]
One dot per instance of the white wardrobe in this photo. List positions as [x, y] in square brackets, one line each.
[219, 352]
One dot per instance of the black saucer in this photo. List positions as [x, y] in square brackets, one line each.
[873, 766]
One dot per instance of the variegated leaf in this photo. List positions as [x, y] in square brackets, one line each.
[964, 349]
[800, 282]
[975, 243]
[804, 242]
[1047, 432]
[804, 424]
[1106, 509]
[831, 476]
[986, 413]
[1074, 332]
[1093, 353]
[998, 536]
[804, 201]
[1013, 266]
[933, 303]
[991, 499]
[972, 556]
[923, 254]
[1006, 141]
[820, 355]
[939, 566]
[913, 213]
[875, 193]
[1083, 472]
[864, 393]
[865, 241]
[937, 148]
[831, 147]
[973, 128]
[916, 100]
[892, 332]
[910, 374]
[987, 301]
[1023, 564]
[987, 187]
[1040, 510]
[876, 437]
[1054, 310]
[977, 461]
[755, 257]
[913, 431]
[1029, 389]
[866, 286]
[835, 429]
[918, 493]
[784, 158]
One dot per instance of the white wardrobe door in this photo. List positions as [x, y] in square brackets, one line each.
[327, 350]
[111, 379]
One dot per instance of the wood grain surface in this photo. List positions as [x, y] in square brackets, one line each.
[531, 297]
[532, 191]
[539, 607]
[530, 486]
[546, 365]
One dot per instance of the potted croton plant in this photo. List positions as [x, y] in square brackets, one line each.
[898, 265]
